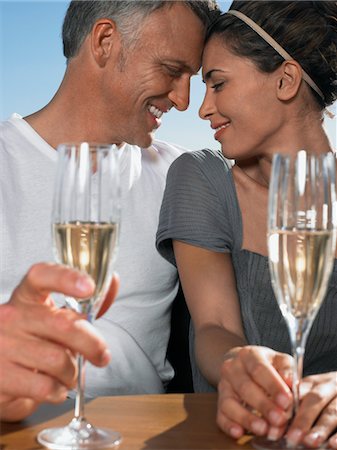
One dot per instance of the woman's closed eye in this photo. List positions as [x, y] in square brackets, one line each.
[218, 86]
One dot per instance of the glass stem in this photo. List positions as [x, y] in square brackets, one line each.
[79, 418]
[79, 402]
[298, 354]
[298, 340]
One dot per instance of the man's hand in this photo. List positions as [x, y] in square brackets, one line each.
[39, 342]
[316, 418]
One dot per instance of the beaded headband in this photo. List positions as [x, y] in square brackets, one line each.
[280, 50]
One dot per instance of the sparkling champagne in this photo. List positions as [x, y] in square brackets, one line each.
[300, 263]
[89, 247]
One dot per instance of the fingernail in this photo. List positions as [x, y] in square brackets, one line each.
[58, 395]
[84, 284]
[283, 401]
[294, 436]
[273, 433]
[235, 432]
[313, 438]
[275, 417]
[106, 356]
[259, 427]
[286, 375]
[333, 442]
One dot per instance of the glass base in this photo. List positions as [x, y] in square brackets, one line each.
[73, 437]
[262, 443]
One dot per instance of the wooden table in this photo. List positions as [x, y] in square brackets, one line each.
[169, 421]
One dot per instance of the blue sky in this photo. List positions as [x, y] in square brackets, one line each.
[32, 66]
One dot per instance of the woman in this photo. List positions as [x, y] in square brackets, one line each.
[262, 97]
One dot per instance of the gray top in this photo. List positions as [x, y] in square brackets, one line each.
[200, 207]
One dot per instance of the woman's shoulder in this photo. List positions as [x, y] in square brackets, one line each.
[203, 156]
[211, 163]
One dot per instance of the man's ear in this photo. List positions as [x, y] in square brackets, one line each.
[289, 81]
[104, 40]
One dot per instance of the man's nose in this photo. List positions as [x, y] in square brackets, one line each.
[180, 94]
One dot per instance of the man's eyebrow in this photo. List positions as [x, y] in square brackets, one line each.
[183, 66]
[209, 74]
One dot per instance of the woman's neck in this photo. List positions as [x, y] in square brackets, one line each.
[305, 134]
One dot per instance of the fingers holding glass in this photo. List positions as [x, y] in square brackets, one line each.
[85, 226]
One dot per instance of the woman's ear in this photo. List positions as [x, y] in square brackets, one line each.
[289, 81]
[104, 40]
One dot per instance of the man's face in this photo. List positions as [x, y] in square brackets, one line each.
[154, 75]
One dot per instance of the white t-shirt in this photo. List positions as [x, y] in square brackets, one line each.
[137, 326]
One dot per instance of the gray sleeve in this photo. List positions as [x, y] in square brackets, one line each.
[195, 206]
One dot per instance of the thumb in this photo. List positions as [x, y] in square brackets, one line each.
[283, 363]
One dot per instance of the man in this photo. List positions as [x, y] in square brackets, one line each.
[128, 63]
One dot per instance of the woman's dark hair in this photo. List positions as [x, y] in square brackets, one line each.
[307, 30]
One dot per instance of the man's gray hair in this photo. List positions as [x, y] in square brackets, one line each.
[127, 14]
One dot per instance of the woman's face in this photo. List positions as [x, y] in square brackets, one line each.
[240, 103]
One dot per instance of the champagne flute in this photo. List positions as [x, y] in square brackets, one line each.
[301, 247]
[85, 224]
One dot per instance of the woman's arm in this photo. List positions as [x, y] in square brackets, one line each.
[247, 377]
[209, 287]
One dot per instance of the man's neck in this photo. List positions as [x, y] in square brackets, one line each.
[71, 117]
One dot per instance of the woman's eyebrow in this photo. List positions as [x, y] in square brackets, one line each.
[209, 74]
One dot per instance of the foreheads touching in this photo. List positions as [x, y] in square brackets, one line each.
[306, 30]
[128, 16]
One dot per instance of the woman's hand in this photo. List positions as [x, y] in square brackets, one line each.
[253, 379]
[259, 379]
[316, 418]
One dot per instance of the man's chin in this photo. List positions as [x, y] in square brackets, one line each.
[146, 140]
